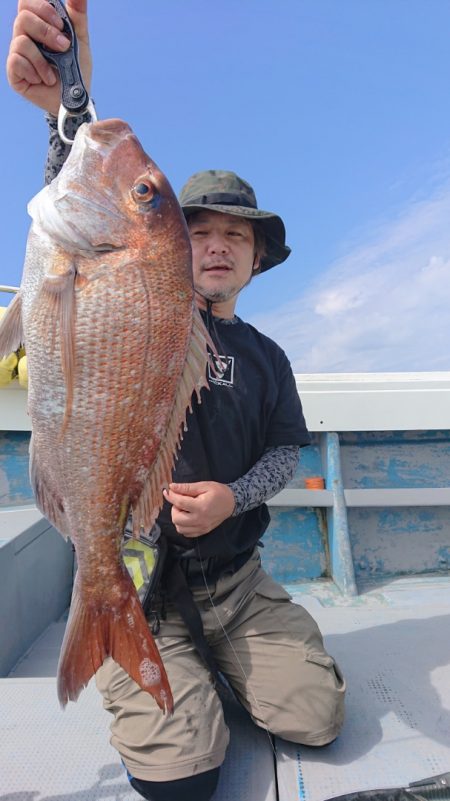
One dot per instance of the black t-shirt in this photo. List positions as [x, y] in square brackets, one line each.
[252, 405]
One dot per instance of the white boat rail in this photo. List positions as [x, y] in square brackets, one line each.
[12, 289]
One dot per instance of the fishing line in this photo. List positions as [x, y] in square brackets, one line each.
[280, 780]
[238, 661]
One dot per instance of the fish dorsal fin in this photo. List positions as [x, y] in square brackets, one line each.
[11, 330]
[192, 380]
[58, 299]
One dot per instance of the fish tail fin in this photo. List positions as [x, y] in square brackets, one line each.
[11, 330]
[97, 630]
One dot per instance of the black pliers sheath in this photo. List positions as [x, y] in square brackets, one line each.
[74, 96]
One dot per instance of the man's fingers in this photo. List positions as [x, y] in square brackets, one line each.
[183, 522]
[21, 73]
[189, 532]
[182, 518]
[27, 63]
[182, 502]
[40, 30]
[77, 11]
[42, 9]
[184, 525]
[76, 6]
[192, 490]
[28, 72]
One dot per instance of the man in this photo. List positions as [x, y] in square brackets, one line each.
[223, 613]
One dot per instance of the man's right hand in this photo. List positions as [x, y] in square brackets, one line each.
[27, 70]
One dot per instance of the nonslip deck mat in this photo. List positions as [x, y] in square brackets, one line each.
[396, 660]
[47, 754]
[393, 647]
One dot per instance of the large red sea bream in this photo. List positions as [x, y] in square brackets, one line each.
[115, 349]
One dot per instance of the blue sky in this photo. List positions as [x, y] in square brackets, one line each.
[337, 112]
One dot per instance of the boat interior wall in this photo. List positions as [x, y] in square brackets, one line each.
[385, 509]
[36, 573]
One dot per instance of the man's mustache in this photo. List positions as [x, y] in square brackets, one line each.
[210, 263]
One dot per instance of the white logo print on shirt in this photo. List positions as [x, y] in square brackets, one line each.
[224, 370]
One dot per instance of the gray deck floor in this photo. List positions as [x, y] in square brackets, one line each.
[393, 644]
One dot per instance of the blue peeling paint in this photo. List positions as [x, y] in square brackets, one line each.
[294, 545]
[310, 463]
[400, 541]
[375, 460]
[15, 489]
[296, 542]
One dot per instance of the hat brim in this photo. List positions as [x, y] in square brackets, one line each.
[272, 225]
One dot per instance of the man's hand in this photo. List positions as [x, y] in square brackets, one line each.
[27, 70]
[199, 507]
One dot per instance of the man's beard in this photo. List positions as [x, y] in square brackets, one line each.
[217, 295]
[221, 295]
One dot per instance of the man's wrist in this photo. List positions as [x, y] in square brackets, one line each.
[239, 499]
[233, 512]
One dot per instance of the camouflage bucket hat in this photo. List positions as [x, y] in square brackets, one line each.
[219, 190]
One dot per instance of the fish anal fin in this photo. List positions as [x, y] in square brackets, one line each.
[11, 329]
[193, 379]
[58, 298]
[95, 631]
[47, 502]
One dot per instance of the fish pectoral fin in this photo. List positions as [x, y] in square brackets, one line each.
[145, 510]
[47, 502]
[11, 329]
[58, 299]
[96, 630]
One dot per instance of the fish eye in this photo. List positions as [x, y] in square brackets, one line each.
[143, 191]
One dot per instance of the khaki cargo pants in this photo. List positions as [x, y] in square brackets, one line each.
[287, 682]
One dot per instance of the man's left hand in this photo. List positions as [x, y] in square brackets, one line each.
[199, 507]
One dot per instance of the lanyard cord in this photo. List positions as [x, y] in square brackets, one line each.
[212, 330]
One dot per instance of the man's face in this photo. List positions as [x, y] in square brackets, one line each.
[223, 250]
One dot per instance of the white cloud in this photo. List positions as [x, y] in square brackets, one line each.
[383, 306]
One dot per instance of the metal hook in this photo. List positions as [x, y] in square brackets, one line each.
[64, 114]
[75, 99]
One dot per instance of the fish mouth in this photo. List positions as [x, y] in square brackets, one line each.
[107, 132]
[104, 136]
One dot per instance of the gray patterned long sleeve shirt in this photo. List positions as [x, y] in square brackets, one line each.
[267, 477]
[277, 465]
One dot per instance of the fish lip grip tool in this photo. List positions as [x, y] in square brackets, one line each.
[435, 788]
[75, 99]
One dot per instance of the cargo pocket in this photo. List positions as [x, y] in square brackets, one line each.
[327, 661]
[320, 659]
